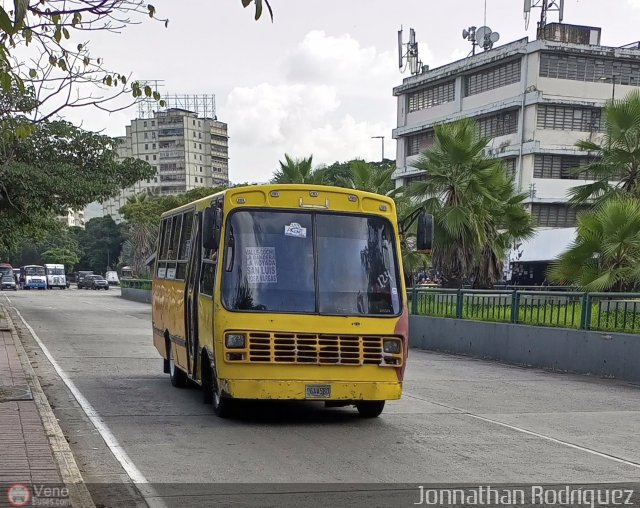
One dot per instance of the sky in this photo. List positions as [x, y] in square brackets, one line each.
[318, 80]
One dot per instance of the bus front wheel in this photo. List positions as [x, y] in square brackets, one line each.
[178, 377]
[370, 408]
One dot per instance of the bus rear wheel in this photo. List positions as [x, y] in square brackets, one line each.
[370, 408]
[178, 377]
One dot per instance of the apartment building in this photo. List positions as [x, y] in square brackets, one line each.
[534, 100]
[74, 218]
[187, 151]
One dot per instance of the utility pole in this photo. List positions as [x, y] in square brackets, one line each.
[382, 139]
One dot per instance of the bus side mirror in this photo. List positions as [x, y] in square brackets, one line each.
[211, 227]
[424, 237]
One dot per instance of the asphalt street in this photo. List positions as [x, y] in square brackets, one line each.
[460, 420]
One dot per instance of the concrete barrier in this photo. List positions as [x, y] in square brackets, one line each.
[580, 351]
[137, 295]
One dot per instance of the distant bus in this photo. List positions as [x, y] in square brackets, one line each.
[33, 276]
[5, 269]
[55, 276]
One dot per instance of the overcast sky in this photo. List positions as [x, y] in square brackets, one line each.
[319, 79]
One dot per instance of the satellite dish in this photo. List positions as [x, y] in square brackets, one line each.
[494, 37]
[482, 33]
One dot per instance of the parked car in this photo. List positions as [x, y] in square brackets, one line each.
[95, 282]
[80, 278]
[8, 282]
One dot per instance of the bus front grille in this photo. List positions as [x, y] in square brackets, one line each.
[314, 349]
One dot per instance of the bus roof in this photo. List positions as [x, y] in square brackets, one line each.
[268, 189]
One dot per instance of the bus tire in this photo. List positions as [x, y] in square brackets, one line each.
[178, 377]
[370, 408]
[222, 404]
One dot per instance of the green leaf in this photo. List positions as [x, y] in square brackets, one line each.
[32, 73]
[57, 35]
[152, 10]
[56, 18]
[5, 22]
[147, 91]
[53, 60]
[156, 95]
[166, 23]
[79, 47]
[258, 8]
[245, 3]
[66, 33]
[5, 82]
[77, 18]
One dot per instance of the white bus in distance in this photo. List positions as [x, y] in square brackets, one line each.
[55, 276]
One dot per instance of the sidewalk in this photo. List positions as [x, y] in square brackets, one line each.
[33, 450]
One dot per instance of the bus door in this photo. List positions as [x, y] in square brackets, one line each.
[191, 294]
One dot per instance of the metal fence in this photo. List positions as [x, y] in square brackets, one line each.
[136, 283]
[615, 312]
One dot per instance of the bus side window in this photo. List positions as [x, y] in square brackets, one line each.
[161, 264]
[185, 245]
[210, 260]
[172, 255]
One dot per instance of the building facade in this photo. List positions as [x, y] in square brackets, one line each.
[74, 218]
[186, 150]
[534, 100]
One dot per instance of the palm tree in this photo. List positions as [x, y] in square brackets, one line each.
[606, 253]
[616, 167]
[296, 171]
[367, 177]
[476, 208]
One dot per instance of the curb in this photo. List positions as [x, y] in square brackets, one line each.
[78, 493]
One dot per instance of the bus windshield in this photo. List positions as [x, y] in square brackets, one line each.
[309, 262]
[5, 270]
[34, 270]
[55, 271]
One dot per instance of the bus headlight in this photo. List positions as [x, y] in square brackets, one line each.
[234, 341]
[391, 346]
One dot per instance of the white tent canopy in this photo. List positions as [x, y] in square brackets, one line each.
[546, 245]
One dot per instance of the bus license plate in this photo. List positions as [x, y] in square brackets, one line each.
[318, 392]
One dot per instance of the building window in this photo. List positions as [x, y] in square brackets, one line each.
[153, 135]
[560, 166]
[199, 124]
[153, 146]
[146, 157]
[200, 169]
[195, 145]
[555, 215]
[569, 118]
[510, 165]
[144, 124]
[153, 123]
[583, 68]
[146, 146]
[200, 146]
[418, 143]
[146, 135]
[432, 96]
[494, 77]
[154, 156]
[199, 135]
[504, 122]
[420, 177]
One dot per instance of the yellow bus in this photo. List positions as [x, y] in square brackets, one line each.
[286, 292]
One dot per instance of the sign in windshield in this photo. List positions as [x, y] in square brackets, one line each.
[310, 263]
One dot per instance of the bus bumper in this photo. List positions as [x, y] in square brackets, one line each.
[270, 389]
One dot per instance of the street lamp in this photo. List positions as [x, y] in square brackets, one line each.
[382, 139]
[613, 80]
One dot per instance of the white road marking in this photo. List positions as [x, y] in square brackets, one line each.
[118, 451]
[531, 433]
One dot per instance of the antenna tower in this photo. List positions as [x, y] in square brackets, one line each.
[408, 53]
[545, 6]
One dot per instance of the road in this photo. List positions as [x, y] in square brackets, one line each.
[460, 420]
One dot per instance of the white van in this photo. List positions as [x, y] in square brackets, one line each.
[55, 276]
[112, 278]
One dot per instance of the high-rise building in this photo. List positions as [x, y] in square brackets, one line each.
[74, 218]
[187, 151]
[534, 100]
